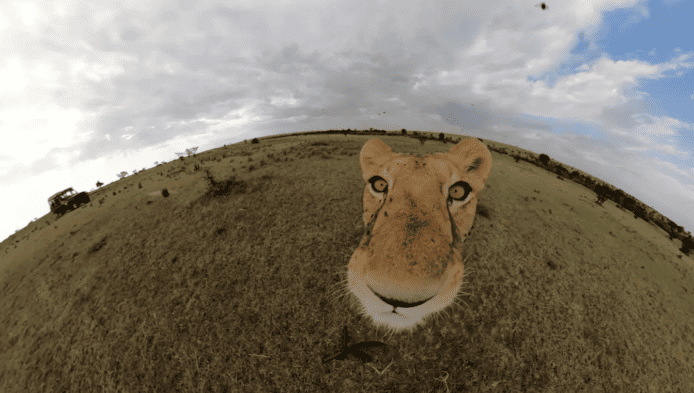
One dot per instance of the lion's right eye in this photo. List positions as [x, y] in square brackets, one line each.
[378, 184]
[459, 191]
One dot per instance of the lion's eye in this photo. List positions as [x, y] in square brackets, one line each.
[378, 184]
[459, 191]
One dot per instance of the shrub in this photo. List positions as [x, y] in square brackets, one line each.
[544, 159]
[404, 131]
[254, 141]
[603, 192]
[687, 245]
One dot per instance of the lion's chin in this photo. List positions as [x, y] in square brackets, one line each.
[397, 319]
[402, 318]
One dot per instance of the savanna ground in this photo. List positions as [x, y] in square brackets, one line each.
[233, 286]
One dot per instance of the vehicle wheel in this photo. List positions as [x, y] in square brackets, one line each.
[75, 206]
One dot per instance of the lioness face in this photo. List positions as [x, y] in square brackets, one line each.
[417, 212]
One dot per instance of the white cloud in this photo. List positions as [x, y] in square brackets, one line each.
[12, 78]
[27, 12]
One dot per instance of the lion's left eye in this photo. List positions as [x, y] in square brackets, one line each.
[378, 184]
[459, 191]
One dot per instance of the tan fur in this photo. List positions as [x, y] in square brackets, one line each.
[409, 263]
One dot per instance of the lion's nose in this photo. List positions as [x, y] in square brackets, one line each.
[399, 303]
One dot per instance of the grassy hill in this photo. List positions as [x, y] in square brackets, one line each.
[231, 283]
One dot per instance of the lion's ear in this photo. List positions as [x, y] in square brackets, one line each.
[472, 156]
[374, 154]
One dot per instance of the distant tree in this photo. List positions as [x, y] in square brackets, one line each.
[619, 195]
[687, 245]
[544, 159]
[442, 136]
[559, 168]
[255, 140]
[629, 203]
[99, 184]
[640, 212]
[603, 192]
[404, 131]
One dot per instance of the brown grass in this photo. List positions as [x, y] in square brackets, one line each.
[232, 287]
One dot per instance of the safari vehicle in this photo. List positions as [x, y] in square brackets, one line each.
[67, 200]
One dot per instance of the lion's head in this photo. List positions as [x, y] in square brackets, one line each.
[417, 212]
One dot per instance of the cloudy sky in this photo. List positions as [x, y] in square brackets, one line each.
[92, 88]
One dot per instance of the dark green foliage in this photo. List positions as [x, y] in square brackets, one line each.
[603, 193]
[544, 159]
[687, 245]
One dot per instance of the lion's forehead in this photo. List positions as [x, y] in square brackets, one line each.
[435, 170]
